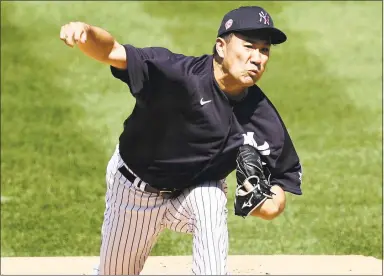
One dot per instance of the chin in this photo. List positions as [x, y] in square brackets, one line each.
[248, 81]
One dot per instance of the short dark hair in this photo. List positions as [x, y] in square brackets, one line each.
[227, 38]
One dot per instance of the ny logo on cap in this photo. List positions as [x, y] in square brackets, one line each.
[264, 16]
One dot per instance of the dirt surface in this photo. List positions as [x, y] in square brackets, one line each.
[181, 265]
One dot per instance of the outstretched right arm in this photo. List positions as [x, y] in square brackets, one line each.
[95, 42]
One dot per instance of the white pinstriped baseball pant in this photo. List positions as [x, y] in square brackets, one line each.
[134, 219]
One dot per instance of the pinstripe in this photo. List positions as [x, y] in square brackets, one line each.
[128, 234]
[113, 212]
[196, 248]
[199, 224]
[149, 245]
[117, 227]
[122, 229]
[213, 210]
[113, 194]
[196, 252]
[141, 234]
[206, 227]
[107, 213]
[188, 210]
[181, 229]
[125, 230]
[154, 236]
[222, 239]
[224, 234]
[223, 225]
[143, 257]
[134, 234]
[175, 227]
[213, 219]
[210, 233]
[176, 209]
[155, 230]
[109, 194]
[107, 197]
[110, 225]
[220, 197]
[192, 216]
[180, 214]
[191, 222]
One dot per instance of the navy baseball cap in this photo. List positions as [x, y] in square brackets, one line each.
[251, 18]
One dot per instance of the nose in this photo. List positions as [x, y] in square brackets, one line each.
[256, 57]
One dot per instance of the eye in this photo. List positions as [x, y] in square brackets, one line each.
[249, 46]
[265, 50]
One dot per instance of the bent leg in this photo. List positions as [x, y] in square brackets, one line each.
[205, 205]
[132, 223]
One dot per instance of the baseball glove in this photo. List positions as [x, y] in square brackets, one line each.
[252, 186]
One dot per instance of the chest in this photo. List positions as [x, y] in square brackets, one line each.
[207, 113]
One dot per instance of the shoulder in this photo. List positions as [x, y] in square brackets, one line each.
[251, 102]
[180, 68]
[148, 53]
[256, 108]
[188, 65]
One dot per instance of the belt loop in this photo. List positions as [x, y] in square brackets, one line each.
[136, 182]
[142, 185]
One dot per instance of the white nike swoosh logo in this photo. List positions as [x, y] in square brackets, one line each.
[204, 102]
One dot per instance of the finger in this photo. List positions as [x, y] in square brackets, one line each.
[69, 39]
[83, 37]
[67, 43]
[248, 186]
[77, 34]
[62, 33]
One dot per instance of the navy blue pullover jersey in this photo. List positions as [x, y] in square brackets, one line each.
[184, 129]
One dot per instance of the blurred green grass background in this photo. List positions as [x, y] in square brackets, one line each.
[62, 113]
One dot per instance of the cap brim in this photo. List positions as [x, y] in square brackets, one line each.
[275, 34]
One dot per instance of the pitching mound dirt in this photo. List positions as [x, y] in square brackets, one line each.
[181, 265]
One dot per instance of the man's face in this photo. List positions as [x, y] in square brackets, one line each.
[245, 58]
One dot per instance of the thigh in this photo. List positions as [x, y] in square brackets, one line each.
[132, 223]
[183, 212]
[207, 206]
[207, 202]
[179, 217]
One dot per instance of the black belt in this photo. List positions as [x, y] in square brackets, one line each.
[147, 188]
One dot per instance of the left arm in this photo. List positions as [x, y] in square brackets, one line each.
[272, 207]
[281, 165]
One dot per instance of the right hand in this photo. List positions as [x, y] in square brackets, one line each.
[74, 32]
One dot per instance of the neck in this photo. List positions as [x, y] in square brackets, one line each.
[225, 81]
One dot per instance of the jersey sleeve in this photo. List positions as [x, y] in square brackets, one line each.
[265, 129]
[137, 75]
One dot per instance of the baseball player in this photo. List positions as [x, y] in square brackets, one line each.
[196, 119]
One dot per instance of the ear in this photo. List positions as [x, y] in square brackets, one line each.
[220, 46]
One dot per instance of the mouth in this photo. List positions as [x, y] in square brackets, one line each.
[253, 72]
